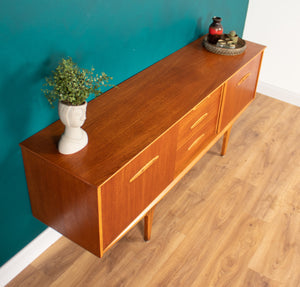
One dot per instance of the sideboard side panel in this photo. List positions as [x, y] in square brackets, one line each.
[63, 202]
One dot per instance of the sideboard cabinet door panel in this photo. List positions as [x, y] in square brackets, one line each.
[135, 186]
[240, 90]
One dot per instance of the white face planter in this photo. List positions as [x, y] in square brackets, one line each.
[74, 137]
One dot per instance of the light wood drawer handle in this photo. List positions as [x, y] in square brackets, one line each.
[198, 105]
[144, 168]
[196, 123]
[243, 79]
[195, 142]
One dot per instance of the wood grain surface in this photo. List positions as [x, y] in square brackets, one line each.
[231, 221]
[143, 108]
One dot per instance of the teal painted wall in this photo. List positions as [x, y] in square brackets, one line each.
[116, 36]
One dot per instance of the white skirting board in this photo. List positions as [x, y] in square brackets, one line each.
[278, 93]
[35, 248]
[27, 255]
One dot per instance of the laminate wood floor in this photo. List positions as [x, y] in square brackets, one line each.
[231, 221]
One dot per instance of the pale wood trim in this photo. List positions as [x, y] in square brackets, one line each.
[257, 77]
[196, 123]
[221, 107]
[100, 221]
[196, 141]
[225, 141]
[148, 220]
[204, 100]
[243, 79]
[144, 168]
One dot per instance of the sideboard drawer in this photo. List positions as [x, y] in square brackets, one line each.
[194, 145]
[197, 129]
[204, 114]
[136, 185]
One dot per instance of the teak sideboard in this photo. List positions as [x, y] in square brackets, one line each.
[143, 137]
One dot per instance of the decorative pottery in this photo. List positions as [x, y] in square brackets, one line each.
[215, 30]
[224, 47]
[233, 37]
[74, 137]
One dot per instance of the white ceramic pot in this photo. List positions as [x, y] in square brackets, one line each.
[74, 137]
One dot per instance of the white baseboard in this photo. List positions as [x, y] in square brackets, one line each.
[28, 254]
[278, 93]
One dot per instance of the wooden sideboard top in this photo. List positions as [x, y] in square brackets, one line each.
[124, 121]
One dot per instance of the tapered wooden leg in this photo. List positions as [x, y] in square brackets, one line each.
[148, 219]
[225, 141]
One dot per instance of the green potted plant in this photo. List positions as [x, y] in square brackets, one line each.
[71, 86]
